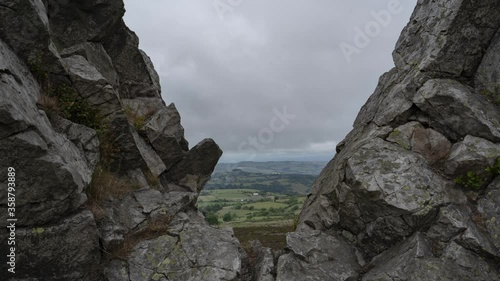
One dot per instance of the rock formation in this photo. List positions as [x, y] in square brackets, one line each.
[107, 185]
[106, 182]
[412, 193]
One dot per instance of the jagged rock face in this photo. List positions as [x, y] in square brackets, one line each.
[393, 192]
[77, 59]
[216, 253]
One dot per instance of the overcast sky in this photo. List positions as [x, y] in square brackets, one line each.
[232, 67]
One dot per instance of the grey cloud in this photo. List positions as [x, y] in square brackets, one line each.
[226, 77]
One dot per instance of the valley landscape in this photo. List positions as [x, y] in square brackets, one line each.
[260, 200]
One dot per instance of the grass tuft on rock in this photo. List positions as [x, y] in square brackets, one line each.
[106, 184]
[138, 120]
[153, 229]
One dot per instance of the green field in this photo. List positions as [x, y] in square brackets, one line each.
[260, 200]
[254, 215]
[247, 207]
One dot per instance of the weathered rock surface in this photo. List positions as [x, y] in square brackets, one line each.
[385, 208]
[216, 254]
[489, 208]
[264, 265]
[456, 107]
[195, 169]
[43, 158]
[166, 134]
[83, 137]
[92, 85]
[95, 54]
[82, 193]
[413, 259]
[135, 70]
[72, 243]
[390, 190]
[317, 256]
[472, 154]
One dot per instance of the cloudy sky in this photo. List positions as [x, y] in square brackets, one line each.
[269, 80]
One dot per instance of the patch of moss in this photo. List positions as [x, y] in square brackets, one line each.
[395, 134]
[474, 181]
[471, 180]
[38, 230]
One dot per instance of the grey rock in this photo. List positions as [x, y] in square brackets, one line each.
[382, 194]
[166, 134]
[144, 106]
[194, 170]
[317, 256]
[199, 253]
[50, 252]
[393, 107]
[487, 76]
[95, 54]
[92, 85]
[29, 35]
[121, 217]
[441, 38]
[41, 157]
[264, 265]
[153, 161]
[468, 265]
[132, 151]
[413, 260]
[452, 220]
[432, 145]
[454, 106]
[83, 137]
[149, 199]
[139, 178]
[460, 224]
[402, 186]
[403, 134]
[489, 208]
[116, 270]
[134, 68]
[371, 107]
[75, 22]
[472, 154]
[130, 213]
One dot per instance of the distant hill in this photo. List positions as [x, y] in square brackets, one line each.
[282, 167]
[277, 177]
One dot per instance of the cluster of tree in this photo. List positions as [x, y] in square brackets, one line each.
[229, 217]
[212, 219]
[212, 208]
